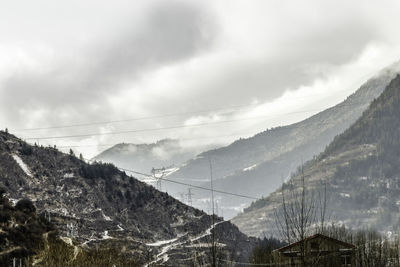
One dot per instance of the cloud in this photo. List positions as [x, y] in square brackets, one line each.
[168, 33]
[168, 57]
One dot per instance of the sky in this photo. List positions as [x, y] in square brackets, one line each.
[89, 74]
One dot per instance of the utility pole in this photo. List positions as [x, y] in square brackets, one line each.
[213, 248]
[156, 171]
[189, 196]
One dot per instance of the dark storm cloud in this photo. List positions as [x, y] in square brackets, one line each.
[293, 65]
[173, 31]
[169, 33]
[183, 56]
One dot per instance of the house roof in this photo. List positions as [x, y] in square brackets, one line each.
[345, 244]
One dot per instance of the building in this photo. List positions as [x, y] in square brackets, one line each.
[318, 250]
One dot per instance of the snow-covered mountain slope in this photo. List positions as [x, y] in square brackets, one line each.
[97, 203]
[360, 169]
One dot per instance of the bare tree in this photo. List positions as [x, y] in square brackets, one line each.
[303, 212]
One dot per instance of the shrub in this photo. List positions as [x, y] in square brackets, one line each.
[25, 205]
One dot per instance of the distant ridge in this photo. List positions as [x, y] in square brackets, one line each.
[256, 165]
[143, 157]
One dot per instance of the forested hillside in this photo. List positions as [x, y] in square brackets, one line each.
[256, 166]
[360, 169]
[97, 204]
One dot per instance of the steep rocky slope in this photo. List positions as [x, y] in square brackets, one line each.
[30, 239]
[257, 165]
[97, 203]
[361, 171]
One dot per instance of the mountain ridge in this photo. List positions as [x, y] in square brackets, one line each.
[279, 151]
[359, 167]
[142, 157]
[97, 203]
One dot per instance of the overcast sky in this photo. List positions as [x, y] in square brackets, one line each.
[256, 64]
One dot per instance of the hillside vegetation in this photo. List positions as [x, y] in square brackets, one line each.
[97, 205]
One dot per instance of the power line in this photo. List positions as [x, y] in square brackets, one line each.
[201, 187]
[147, 175]
[179, 126]
[127, 120]
[82, 124]
[214, 190]
[160, 128]
[209, 189]
[190, 185]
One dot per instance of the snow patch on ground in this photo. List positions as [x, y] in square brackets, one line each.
[171, 244]
[250, 168]
[163, 255]
[22, 165]
[107, 218]
[206, 233]
[161, 242]
[345, 195]
[91, 238]
[205, 245]
[69, 175]
[67, 240]
[106, 236]
[13, 201]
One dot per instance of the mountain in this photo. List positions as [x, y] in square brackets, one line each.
[256, 166]
[28, 238]
[360, 168]
[166, 153]
[95, 204]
